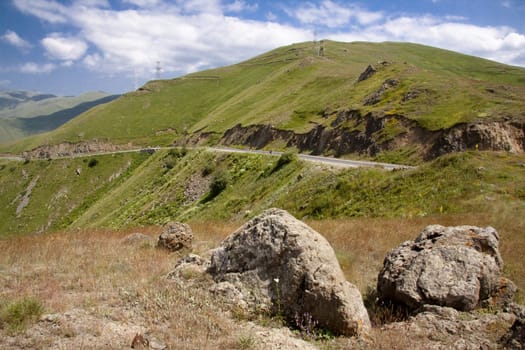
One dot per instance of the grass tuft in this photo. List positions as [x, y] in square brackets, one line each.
[17, 315]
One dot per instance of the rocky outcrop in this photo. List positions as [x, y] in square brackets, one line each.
[363, 138]
[377, 95]
[446, 328]
[495, 136]
[68, 149]
[367, 73]
[277, 263]
[175, 236]
[459, 267]
[24, 200]
[351, 132]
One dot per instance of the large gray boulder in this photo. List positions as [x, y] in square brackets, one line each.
[278, 263]
[458, 267]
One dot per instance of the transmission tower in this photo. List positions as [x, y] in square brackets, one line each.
[315, 42]
[158, 70]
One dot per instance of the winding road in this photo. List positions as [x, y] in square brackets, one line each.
[336, 162]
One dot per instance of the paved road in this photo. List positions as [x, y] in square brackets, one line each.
[344, 163]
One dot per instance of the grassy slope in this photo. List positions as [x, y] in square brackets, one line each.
[59, 193]
[291, 88]
[475, 188]
[155, 189]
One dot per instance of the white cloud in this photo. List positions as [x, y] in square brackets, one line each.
[143, 3]
[240, 6]
[64, 48]
[133, 39]
[47, 10]
[189, 35]
[272, 17]
[15, 40]
[332, 15]
[35, 68]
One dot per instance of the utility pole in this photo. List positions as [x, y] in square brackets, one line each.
[158, 70]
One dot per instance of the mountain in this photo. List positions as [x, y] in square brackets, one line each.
[25, 113]
[396, 100]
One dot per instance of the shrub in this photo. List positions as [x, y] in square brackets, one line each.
[208, 169]
[217, 185]
[178, 152]
[284, 159]
[17, 315]
[92, 162]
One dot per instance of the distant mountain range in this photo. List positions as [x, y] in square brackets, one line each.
[24, 113]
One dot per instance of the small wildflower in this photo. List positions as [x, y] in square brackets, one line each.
[276, 280]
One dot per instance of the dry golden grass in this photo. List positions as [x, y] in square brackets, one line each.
[362, 244]
[95, 271]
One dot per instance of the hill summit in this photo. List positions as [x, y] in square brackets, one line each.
[374, 99]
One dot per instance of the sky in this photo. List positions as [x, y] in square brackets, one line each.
[68, 47]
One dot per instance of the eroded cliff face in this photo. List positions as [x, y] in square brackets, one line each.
[68, 149]
[350, 132]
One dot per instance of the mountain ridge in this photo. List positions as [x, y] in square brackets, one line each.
[293, 88]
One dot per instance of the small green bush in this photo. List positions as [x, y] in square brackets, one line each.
[284, 159]
[217, 185]
[178, 152]
[92, 162]
[208, 169]
[17, 315]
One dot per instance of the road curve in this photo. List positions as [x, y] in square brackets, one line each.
[343, 163]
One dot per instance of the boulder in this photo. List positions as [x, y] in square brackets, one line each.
[514, 339]
[438, 328]
[189, 267]
[278, 263]
[138, 238]
[458, 267]
[175, 236]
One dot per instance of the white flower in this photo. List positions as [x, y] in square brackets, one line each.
[276, 280]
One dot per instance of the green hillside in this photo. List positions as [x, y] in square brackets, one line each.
[134, 189]
[292, 88]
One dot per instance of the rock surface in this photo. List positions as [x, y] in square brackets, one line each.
[446, 328]
[459, 267]
[367, 73]
[138, 238]
[175, 236]
[277, 263]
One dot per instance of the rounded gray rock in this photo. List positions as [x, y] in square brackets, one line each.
[279, 262]
[458, 267]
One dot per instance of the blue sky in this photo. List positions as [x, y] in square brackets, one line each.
[68, 47]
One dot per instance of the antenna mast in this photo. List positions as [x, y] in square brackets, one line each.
[158, 69]
[315, 42]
